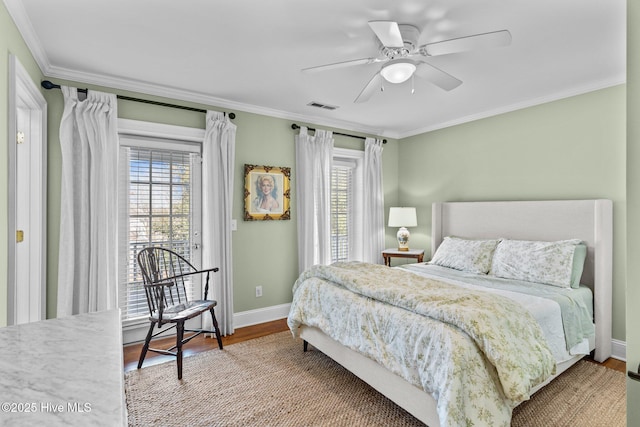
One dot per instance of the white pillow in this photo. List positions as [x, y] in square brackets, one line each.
[550, 263]
[473, 256]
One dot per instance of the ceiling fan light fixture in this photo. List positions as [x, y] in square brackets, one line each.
[398, 71]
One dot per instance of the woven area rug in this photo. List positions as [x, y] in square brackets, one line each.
[269, 381]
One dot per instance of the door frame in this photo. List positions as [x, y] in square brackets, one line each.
[25, 94]
[171, 137]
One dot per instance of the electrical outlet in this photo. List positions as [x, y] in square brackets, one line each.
[258, 291]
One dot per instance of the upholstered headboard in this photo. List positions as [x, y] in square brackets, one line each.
[588, 220]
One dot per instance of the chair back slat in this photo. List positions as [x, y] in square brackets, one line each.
[160, 265]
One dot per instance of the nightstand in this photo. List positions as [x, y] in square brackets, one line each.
[387, 254]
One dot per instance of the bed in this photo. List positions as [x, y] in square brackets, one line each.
[587, 221]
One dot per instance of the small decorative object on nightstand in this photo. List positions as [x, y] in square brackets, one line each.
[387, 254]
[403, 217]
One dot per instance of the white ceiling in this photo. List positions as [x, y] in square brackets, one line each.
[246, 55]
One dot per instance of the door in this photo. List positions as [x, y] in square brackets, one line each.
[26, 292]
[160, 205]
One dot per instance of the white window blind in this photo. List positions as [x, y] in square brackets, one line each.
[341, 208]
[157, 199]
[347, 201]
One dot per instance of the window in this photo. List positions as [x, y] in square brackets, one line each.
[346, 205]
[340, 207]
[160, 205]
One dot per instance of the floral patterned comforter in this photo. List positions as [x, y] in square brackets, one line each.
[477, 354]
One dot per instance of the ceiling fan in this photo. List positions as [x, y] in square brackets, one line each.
[402, 58]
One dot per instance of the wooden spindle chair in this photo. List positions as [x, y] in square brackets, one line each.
[165, 276]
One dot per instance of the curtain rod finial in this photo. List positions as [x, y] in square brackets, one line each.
[48, 85]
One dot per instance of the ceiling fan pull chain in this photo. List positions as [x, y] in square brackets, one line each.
[413, 89]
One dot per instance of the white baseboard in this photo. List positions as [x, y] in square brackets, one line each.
[260, 315]
[276, 312]
[619, 350]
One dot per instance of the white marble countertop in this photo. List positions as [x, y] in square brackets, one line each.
[63, 372]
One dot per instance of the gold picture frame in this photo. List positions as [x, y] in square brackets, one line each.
[267, 193]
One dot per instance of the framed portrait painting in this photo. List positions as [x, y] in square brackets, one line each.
[267, 193]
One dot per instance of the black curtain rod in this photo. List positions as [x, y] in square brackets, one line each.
[49, 85]
[295, 126]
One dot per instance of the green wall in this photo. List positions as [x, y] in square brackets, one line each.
[633, 208]
[568, 149]
[11, 42]
[264, 253]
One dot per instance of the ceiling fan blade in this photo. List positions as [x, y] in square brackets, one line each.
[463, 44]
[388, 33]
[341, 64]
[369, 89]
[437, 76]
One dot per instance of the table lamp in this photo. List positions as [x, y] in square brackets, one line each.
[403, 218]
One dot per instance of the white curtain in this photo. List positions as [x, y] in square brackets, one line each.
[313, 194]
[218, 156]
[373, 212]
[87, 265]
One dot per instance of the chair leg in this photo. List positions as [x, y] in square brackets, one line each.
[147, 340]
[215, 326]
[179, 338]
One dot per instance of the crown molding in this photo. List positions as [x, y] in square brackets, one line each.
[19, 15]
[556, 96]
[199, 98]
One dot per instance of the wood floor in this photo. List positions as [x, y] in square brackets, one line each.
[200, 344]
[616, 364]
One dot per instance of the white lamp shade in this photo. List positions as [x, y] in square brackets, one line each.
[398, 71]
[402, 217]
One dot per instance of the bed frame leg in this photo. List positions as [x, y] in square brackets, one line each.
[305, 345]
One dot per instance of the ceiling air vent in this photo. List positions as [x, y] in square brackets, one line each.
[323, 106]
